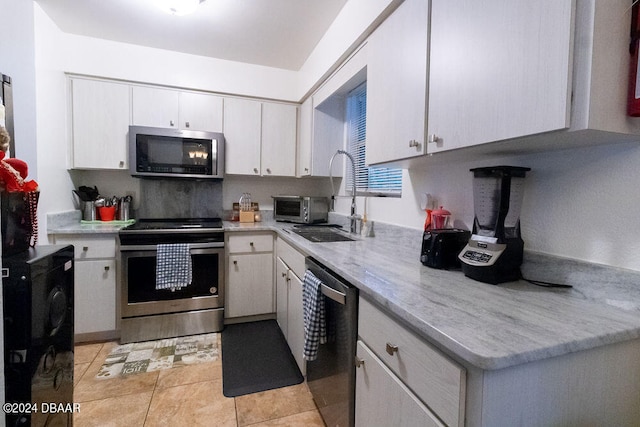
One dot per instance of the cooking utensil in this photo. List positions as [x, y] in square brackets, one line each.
[87, 194]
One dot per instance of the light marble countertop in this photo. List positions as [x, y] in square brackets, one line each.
[487, 326]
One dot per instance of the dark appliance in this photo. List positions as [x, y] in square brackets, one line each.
[494, 252]
[175, 153]
[440, 247]
[332, 376]
[18, 221]
[148, 313]
[6, 104]
[301, 209]
[37, 293]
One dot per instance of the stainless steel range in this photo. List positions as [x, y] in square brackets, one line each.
[149, 312]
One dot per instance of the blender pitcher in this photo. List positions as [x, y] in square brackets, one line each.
[494, 252]
[497, 201]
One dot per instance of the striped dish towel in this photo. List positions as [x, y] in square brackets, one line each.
[173, 266]
[315, 332]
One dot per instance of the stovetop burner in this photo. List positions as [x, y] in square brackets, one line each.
[175, 224]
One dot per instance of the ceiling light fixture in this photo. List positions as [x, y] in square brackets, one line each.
[179, 7]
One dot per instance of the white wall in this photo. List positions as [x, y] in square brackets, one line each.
[581, 203]
[17, 60]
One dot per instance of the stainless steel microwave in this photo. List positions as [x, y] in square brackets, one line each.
[301, 209]
[175, 153]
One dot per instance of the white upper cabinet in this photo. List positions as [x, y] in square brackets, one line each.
[242, 121]
[396, 84]
[498, 69]
[155, 107]
[100, 116]
[279, 139]
[158, 107]
[305, 138]
[200, 111]
[260, 137]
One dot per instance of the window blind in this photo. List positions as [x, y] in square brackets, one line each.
[369, 181]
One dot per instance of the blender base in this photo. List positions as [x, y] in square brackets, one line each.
[492, 275]
[505, 269]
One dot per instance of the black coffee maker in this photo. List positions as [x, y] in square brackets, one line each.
[494, 251]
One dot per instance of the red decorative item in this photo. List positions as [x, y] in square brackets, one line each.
[19, 206]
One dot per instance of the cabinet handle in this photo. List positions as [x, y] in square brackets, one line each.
[106, 268]
[433, 138]
[251, 244]
[235, 262]
[255, 170]
[359, 362]
[121, 163]
[85, 248]
[284, 274]
[268, 170]
[306, 169]
[170, 122]
[392, 348]
[414, 143]
[186, 124]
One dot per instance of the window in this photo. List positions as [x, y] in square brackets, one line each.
[369, 181]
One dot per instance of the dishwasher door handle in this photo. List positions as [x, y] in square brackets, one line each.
[337, 296]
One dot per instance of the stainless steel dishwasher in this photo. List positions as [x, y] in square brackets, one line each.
[332, 376]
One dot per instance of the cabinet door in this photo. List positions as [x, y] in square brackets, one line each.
[250, 285]
[95, 296]
[155, 107]
[279, 139]
[383, 400]
[242, 134]
[396, 85]
[305, 134]
[200, 111]
[282, 295]
[295, 321]
[498, 69]
[100, 117]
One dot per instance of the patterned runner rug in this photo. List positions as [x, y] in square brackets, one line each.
[135, 358]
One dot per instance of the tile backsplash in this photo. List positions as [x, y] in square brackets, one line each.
[177, 198]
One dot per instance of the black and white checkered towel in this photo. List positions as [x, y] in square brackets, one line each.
[315, 332]
[173, 266]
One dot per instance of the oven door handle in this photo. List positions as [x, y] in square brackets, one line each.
[128, 248]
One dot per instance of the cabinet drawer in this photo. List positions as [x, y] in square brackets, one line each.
[248, 243]
[382, 399]
[88, 248]
[291, 257]
[433, 377]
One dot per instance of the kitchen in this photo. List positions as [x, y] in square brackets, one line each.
[579, 201]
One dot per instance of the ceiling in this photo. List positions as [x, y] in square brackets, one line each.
[274, 33]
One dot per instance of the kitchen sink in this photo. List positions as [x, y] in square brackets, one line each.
[322, 234]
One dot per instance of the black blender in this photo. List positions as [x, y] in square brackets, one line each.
[494, 252]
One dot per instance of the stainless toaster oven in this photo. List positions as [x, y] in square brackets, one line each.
[301, 209]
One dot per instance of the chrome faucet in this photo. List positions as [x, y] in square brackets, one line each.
[353, 218]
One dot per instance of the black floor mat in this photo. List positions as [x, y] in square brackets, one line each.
[256, 357]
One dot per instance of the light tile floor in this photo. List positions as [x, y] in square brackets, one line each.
[181, 396]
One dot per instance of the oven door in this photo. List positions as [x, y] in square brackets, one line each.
[289, 209]
[140, 296]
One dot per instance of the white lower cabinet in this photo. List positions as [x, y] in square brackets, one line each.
[95, 304]
[249, 289]
[95, 276]
[410, 363]
[289, 313]
[383, 400]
